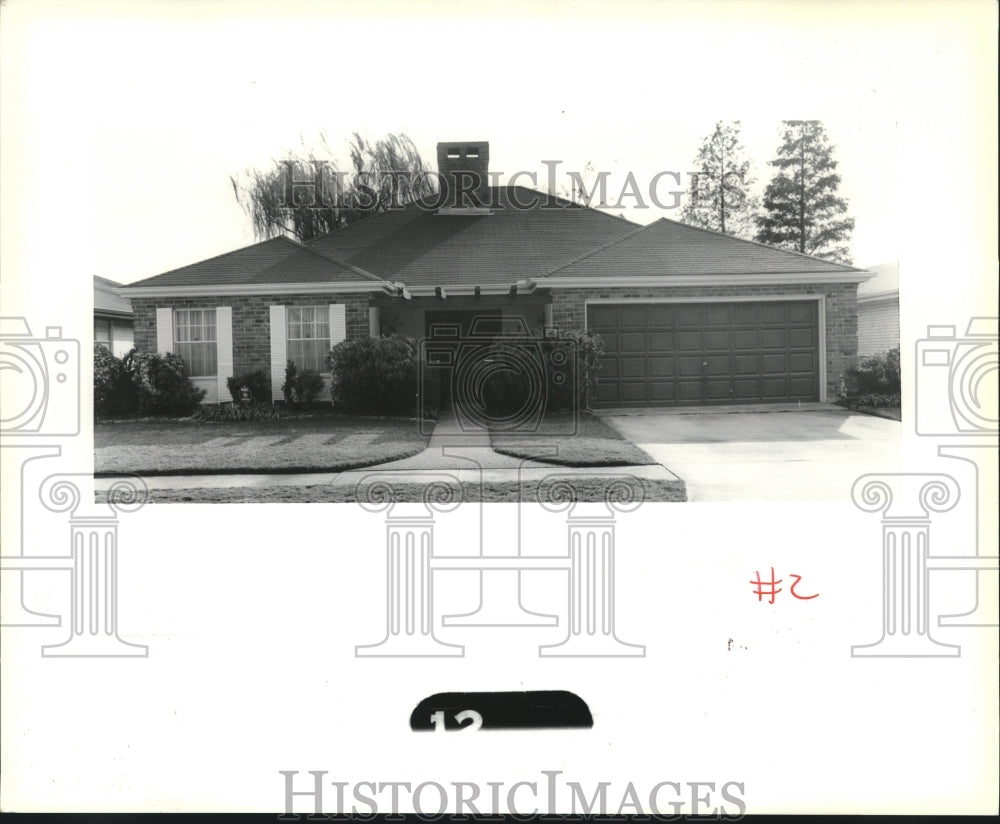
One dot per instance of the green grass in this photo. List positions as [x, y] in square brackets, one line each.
[593, 444]
[587, 489]
[316, 444]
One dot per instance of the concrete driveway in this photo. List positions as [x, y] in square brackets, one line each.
[765, 453]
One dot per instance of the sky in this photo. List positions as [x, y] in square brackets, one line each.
[146, 110]
[126, 120]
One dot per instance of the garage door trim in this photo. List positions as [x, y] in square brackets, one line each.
[820, 301]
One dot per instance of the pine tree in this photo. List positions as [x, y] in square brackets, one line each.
[802, 210]
[720, 198]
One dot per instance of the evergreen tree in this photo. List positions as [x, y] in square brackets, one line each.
[802, 210]
[720, 198]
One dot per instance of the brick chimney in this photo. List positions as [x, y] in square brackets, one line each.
[464, 169]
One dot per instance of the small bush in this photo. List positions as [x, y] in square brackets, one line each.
[237, 412]
[258, 383]
[160, 384]
[114, 395]
[874, 382]
[374, 375]
[300, 387]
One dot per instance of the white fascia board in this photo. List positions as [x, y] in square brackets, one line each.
[466, 290]
[888, 294]
[255, 289]
[790, 279]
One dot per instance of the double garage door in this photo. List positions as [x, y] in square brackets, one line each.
[675, 354]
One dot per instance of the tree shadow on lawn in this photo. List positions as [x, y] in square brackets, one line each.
[332, 443]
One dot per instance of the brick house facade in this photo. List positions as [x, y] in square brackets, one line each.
[688, 316]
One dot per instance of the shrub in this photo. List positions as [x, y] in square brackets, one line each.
[300, 387]
[874, 382]
[374, 375]
[160, 384]
[114, 395]
[237, 412]
[258, 383]
[567, 363]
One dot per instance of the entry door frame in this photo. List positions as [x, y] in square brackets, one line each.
[820, 301]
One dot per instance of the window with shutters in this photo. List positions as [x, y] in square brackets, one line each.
[308, 329]
[102, 332]
[195, 341]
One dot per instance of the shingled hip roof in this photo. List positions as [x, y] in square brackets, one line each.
[666, 248]
[279, 260]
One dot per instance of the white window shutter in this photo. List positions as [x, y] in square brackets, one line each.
[338, 323]
[279, 347]
[224, 347]
[164, 330]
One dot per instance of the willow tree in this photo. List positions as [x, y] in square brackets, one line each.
[306, 194]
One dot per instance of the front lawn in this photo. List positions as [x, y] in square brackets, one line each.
[191, 447]
[593, 443]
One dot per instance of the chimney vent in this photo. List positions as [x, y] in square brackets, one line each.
[464, 170]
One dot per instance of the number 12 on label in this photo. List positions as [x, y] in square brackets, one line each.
[438, 720]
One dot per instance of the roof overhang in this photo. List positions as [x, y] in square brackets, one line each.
[887, 294]
[249, 289]
[454, 290]
[771, 279]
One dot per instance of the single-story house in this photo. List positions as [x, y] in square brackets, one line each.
[878, 310]
[113, 317]
[688, 316]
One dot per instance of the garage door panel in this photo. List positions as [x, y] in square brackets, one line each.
[632, 316]
[633, 391]
[716, 340]
[602, 317]
[609, 368]
[632, 367]
[717, 353]
[688, 341]
[801, 338]
[661, 342]
[773, 339]
[632, 342]
[688, 366]
[771, 364]
[746, 365]
[661, 367]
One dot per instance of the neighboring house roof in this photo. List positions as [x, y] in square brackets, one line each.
[885, 284]
[667, 248]
[107, 301]
[278, 260]
[419, 247]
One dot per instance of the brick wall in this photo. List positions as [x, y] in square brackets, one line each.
[569, 312]
[251, 322]
[878, 326]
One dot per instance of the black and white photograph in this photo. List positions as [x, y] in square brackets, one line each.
[452, 304]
